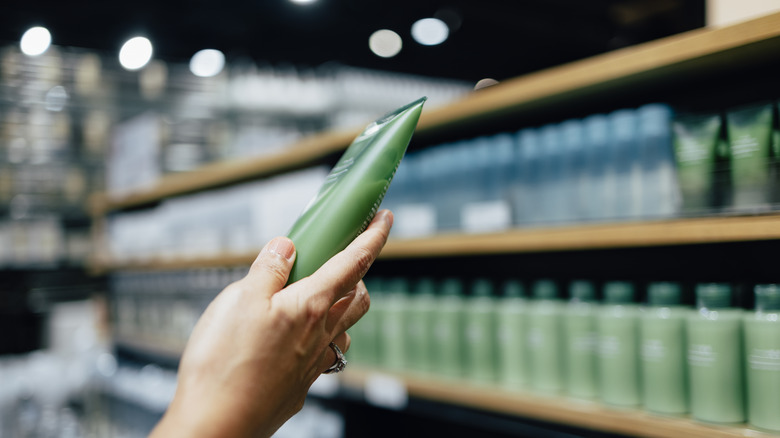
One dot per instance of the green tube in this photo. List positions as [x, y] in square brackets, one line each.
[695, 141]
[351, 194]
[750, 137]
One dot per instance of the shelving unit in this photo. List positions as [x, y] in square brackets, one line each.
[674, 60]
[578, 413]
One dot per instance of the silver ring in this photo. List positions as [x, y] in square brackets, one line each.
[341, 361]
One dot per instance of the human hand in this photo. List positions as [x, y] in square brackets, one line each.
[259, 346]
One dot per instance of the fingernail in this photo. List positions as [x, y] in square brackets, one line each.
[281, 246]
[387, 216]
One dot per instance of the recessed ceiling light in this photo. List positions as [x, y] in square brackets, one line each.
[135, 53]
[207, 63]
[430, 31]
[35, 41]
[385, 43]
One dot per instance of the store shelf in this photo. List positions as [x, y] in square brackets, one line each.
[680, 56]
[582, 414]
[564, 238]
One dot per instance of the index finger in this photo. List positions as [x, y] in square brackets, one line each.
[342, 272]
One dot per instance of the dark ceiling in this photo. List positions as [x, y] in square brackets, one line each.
[491, 38]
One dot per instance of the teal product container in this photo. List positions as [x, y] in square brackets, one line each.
[750, 151]
[545, 349]
[596, 130]
[421, 306]
[624, 196]
[660, 197]
[448, 320]
[664, 346]
[715, 357]
[574, 175]
[512, 313]
[579, 327]
[395, 304]
[762, 352]
[353, 191]
[480, 332]
[696, 139]
[528, 194]
[618, 351]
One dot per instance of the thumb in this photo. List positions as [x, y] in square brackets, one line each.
[271, 268]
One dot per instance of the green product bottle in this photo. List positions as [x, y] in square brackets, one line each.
[545, 349]
[750, 139]
[352, 192]
[419, 326]
[762, 350]
[395, 300]
[618, 351]
[579, 326]
[663, 341]
[695, 148]
[365, 333]
[448, 321]
[480, 333]
[511, 334]
[715, 357]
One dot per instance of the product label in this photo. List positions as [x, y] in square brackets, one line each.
[702, 355]
[653, 350]
[764, 359]
[481, 217]
[744, 146]
[609, 346]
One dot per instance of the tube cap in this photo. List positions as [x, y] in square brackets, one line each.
[426, 286]
[513, 289]
[452, 287]
[767, 297]
[581, 290]
[713, 295]
[545, 290]
[618, 292]
[663, 294]
[482, 287]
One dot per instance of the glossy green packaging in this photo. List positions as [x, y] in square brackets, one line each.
[545, 349]
[579, 327]
[762, 351]
[750, 140]
[352, 192]
[480, 332]
[695, 149]
[419, 326]
[618, 353]
[448, 322]
[715, 357]
[664, 346]
[393, 337]
[511, 317]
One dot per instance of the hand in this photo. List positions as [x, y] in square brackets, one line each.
[259, 346]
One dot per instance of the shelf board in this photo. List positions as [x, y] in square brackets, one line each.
[582, 414]
[565, 238]
[682, 55]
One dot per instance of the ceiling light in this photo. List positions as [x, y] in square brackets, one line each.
[35, 41]
[207, 63]
[135, 53]
[385, 43]
[430, 31]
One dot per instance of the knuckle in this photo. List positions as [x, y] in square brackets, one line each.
[364, 258]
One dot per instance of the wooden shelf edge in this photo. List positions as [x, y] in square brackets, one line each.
[552, 83]
[561, 410]
[672, 232]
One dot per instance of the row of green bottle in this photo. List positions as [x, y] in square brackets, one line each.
[715, 362]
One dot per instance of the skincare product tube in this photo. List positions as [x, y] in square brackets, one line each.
[750, 136]
[618, 353]
[511, 334]
[762, 351]
[579, 326]
[448, 348]
[715, 357]
[421, 306]
[695, 141]
[659, 194]
[663, 343]
[393, 340]
[365, 333]
[351, 194]
[544, 338]
[596, 129]
[480, 332]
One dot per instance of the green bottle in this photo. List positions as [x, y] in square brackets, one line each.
[762, 351]
[419, 326]
[393, 337]
[365, 333]
[352, 192]
[663, 342]
[750, 139]
[448, 321]
[618, 352]
[511, 335]
[480, 332]
[545, 349]
[715, 357]
[579, 326]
